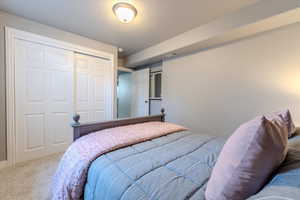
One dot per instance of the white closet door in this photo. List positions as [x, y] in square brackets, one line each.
[140, 93]
[44, 99]
[93, 88]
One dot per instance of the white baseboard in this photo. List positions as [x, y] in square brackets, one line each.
[3, 164]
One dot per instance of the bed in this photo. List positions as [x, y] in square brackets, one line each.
[174, 166]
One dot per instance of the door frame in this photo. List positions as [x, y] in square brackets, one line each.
[11, 35]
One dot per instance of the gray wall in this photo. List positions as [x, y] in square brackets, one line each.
[214, 91]
[26, 25]
[124, 95]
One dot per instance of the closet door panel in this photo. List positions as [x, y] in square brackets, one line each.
[61, 123]
[44, 99]
[58, 59]
[84, 116]
[99, 99]
[60, 64]
[31, 101]
[92, 82]
[34, 132]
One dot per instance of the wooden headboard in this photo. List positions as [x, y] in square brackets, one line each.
[81, 129]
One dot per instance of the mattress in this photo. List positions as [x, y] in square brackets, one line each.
[177, 167]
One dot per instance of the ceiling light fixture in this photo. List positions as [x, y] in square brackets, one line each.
[125, 12]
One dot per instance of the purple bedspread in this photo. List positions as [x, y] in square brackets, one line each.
[70, 177]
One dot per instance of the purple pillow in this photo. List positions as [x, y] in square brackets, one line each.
[247, 160]
[286, 117]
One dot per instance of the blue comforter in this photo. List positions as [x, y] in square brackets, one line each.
[175, 167]
[285, 184]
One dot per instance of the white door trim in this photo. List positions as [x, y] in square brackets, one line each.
[11, 35]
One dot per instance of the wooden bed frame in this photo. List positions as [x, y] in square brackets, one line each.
[81, 129]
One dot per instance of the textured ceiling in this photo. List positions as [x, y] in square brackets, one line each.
[157, 20]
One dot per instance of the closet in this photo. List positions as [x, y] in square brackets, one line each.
[50, 85]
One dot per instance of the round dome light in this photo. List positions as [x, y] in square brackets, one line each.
[125, 12]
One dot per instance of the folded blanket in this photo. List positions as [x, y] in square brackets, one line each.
[70, 177]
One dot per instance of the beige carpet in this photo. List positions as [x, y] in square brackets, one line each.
[28, 181]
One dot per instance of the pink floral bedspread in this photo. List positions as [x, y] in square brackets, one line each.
[70, 177]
